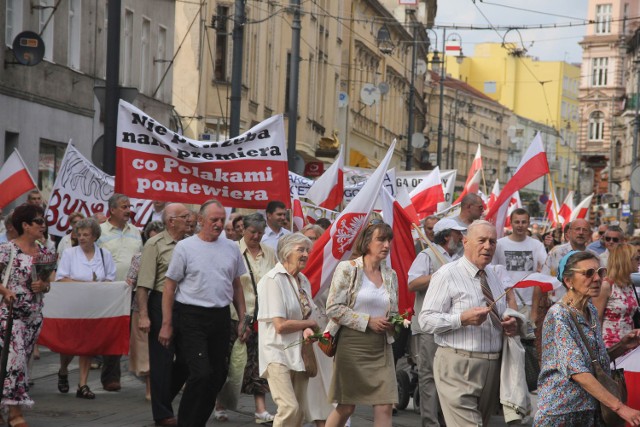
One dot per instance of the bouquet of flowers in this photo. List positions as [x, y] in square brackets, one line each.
[318, 336]
[402, 320]
[43, 265]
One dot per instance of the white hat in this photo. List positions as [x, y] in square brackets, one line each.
[447, 224]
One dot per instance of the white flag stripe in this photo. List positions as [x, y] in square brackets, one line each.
[86, 300]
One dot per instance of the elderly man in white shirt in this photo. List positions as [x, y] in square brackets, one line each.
[459, 308]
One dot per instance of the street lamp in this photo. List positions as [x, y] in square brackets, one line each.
[440, 65]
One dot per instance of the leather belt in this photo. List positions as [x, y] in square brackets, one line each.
[474, 354]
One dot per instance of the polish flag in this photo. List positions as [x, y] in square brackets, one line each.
[532, 166]
[15, 179]
[402, 248]
[494, 195]
[514, 204]
[567, 207]
[86, 319]
[471, 187]
[402, 196]
[297, 215]
[582, 210]
[552, 208]
[545, 282]
[336, 245]
[426, 196]
[328, 191]
[630, 362]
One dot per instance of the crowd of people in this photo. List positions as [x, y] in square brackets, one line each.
[222, 307]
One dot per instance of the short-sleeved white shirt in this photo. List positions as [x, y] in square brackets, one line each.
[278, 298]
[205, 271]
[271, 238]
[75, 265]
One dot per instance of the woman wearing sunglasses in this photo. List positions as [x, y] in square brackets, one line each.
[617, 302]
[363, 294]
[25, 295]
[568, 392]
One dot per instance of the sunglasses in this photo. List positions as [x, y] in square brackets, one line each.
[612, 239]
[602, 272]
[39, 221]
[375, 222]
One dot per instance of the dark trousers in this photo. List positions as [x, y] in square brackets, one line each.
[203, 343]
[166, 375]
[110, 369]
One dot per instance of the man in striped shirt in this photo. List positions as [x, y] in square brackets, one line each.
[458, 308]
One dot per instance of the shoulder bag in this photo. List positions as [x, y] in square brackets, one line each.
[306, 349]
[614, 383]
[254, 318]
[330, 345]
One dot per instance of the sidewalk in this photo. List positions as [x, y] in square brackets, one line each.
[128, 407]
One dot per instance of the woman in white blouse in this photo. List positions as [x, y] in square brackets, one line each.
[284, 319]
[83, 263]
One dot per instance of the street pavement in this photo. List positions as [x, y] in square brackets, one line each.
[128, 407]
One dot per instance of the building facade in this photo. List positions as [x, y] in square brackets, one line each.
[45, 106]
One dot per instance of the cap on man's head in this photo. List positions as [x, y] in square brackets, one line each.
[447, 224]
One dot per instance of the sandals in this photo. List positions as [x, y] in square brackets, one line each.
[221, 415]
[85, 392]
[63, 383]
[18, 422]
[263, 417]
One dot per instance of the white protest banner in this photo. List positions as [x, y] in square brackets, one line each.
[314, 213]
[247, 171]
[299, 183]
[411, 179]
[81, 187]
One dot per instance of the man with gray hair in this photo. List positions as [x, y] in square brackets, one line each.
[447, 241]
[167, 376]
[202, 280]
[123, 241]
[461, 310]
[471, 209]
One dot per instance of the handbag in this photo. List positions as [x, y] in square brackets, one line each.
[614, 383]
[636, 315]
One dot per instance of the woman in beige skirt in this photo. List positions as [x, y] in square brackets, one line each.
[362, 297]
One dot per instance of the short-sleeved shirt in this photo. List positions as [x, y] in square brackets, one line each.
[519, 260]
[277, 297]
[156, 256]
[271, 238]
[563, 355]
[123, 245]
[74, 265]
[205, 271]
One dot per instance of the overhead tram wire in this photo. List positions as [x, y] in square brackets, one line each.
[532, 11]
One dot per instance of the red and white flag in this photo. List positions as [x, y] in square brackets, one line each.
[514, 204]
[533, 165]
[582, 210]
[495, 192]
[15, 179]
[567, 207]
[402, 196]
[402, 248]
[328, 191]
[545, 282]
[426, 196]
[86, 319]
[335, 246]
[471, 187]
[552, 208]
[630, 362]
[297, 215]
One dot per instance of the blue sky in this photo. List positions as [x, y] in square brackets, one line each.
[559, 44]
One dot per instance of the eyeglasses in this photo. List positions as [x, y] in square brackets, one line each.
[375, 222]
[602, 272]
[611, 239]
[39, 221]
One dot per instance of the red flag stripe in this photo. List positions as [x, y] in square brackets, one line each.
[81, 337]
[15, 186]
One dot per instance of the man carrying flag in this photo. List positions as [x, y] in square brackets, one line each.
[446, 248]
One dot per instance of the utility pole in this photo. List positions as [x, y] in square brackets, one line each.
[442, 77]
[112, 88]
[634, 157]
[236, 68]
[412, 91]
[294, 71]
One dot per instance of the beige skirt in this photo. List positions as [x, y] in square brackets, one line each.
[363, 370]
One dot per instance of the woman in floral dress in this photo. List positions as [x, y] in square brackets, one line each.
[568, 392]
[26, 296]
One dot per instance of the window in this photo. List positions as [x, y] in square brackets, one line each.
[45, 27]
[160, 63]
[603, 18]
[599, 68]
[127, 51]
[73, 43]
[220, 69]
[11, 140]
[145, 57]
[617, 157]
[13, 20]
[51, 154]
[596, 126]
